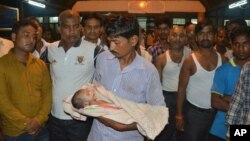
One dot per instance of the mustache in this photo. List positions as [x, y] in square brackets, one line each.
[113, 52]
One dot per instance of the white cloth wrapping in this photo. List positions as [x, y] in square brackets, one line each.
[150, 119]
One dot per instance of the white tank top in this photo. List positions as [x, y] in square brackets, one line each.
[171, 71]
[199, 86]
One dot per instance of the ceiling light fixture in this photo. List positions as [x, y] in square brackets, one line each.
[237, 4]
[38, 4]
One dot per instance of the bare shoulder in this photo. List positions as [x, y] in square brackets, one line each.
[161, 58]
[189, 65]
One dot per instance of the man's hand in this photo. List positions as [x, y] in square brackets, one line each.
[179, 124]
[116, 125]
[32, 127]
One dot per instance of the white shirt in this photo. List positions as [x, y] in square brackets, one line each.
[171, 71]
[200, 83]
[99, 43]
[45, 45]
[69, 72]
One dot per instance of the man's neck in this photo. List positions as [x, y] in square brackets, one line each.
[164, 44]
[207, 51]
[92, 41]
[21, 56]
[39, 45]
[239, 62]
[126, 60]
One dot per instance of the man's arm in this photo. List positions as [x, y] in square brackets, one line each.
[46, 103]
[220, 102]
[7, 109]
[185, 73]
[160, 63]
[218, 99]
[117, 126]
[234, 114]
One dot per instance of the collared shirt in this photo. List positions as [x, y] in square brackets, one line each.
[224, 84]
[69, 72]
[45, 45]
[239, 110]
[99, 43]
[138, 82]
[25, 92]
[5, 46]
[156, 50]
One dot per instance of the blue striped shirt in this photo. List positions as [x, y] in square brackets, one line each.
[138, 82]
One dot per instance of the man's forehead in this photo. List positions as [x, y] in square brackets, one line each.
[177, 29]
[28, 29]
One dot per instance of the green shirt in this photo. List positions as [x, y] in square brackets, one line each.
[25, 92]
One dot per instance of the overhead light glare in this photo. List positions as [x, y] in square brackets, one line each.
[38, 4]
[237, 4]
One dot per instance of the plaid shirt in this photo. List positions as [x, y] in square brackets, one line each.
[239, 110]
[156, 50]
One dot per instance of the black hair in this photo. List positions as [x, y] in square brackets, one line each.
[76, 101]
[34, 20]
[239, 21]
[22, 23]
[92, 16]
[245, 31]
[123, 25]
[163, 20]
[203, 24]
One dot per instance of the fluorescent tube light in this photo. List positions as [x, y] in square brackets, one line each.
[38, 4]
[237, 4]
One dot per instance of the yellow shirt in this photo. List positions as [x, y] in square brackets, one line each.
[25, 92]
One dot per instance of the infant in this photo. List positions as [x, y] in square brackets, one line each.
[87, 96]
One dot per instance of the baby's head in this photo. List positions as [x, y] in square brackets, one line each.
[82, 98]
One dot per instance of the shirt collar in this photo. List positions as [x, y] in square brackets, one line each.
[98, 41]
[31, 58]
[137, 62]
[231, 61]
[77, 44]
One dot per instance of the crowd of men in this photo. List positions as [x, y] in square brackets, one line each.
[200, 72]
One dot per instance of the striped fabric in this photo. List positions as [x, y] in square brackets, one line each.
[239, 110]
[137, 82]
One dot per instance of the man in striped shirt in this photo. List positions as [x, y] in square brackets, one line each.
[123, 72]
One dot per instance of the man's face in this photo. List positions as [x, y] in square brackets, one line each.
[221, 38]
[177, 38]
[92, 29]
[205, 38]
[241, 47]
[70, 30]
[190, 31]
[39, 30]
[121, 46]
[163, 31]
[25, 39]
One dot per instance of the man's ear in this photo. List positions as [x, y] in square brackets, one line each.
[13, 37]
[134, 40]
[59, 29]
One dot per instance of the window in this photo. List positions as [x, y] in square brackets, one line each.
[194, 21]
[225, 21]
[179, 21]
[53, 19]
[40, 19]
[248, 22]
